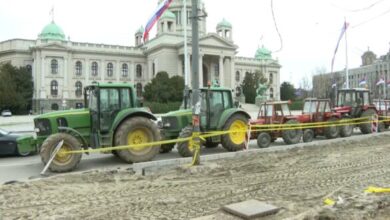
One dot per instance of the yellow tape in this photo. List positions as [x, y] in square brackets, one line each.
[373, 189]
[328, 201]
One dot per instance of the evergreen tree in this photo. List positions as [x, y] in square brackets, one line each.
[250, 84]
[287, 91]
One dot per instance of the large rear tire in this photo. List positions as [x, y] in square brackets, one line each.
[183, 147]
[62, 162]
[366, 128]
[345, 130]
[235, 140]
[292, 136]
[137, 130]
[332, 131]
[264, 140]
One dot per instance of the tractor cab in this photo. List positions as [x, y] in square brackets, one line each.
[353, 101]
[274, 112]
[316, 110]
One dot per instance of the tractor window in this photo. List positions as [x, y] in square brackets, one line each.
[92, 100]
[266, 110]
[327, 107]
[366, 99]
[109, 99]
[125, 98]
[310, 107]
[285, 109]
[322, 106]
[346, 98]
[216, 103]
[227, 101]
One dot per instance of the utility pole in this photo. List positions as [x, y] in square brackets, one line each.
[195, 83]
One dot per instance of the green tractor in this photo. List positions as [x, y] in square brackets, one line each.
[218, 113]
[111, 117]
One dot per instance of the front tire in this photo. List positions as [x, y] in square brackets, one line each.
[62, 162]
[345, 130]
[292, 136]
[308, 135]
[366, 128]
[332, 131]
[264, 140]
[183, 147]
[235, 140]
[166, 148]
[137, 130]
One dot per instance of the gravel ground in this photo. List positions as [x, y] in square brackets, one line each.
[297, 180]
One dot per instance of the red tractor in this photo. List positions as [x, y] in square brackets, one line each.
[355, 103]
[318, 110]
[275, 113]
[383, 109]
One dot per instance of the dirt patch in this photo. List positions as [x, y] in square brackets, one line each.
[297, 180]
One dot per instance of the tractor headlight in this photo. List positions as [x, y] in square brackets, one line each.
[36, 130]
[167, 125]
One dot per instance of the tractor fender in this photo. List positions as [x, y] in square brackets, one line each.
[75, 134]
[128, 113]
[228, 114]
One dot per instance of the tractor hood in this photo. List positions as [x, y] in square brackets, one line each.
[64, 113]
[178, 113]
[343, 109]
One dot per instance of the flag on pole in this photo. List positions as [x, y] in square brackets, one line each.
[362, 82]
[380, 82]
[156, 15]
[343, 30]
[388, 83]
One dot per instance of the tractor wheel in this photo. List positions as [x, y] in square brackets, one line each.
[366, 128]
[210, 144]
[166, 148]
[235, 140]
[62, 162]
[184, 148]
[264, 140]
[137, 130]
[308, 135]
[292, 136]
[345, 130]
[332, 131]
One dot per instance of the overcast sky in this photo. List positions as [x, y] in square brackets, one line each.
[309, 28]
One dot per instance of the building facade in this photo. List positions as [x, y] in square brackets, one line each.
[371, 71]
[61, 68]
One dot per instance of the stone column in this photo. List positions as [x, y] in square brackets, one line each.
[221, 71]
[232, 73]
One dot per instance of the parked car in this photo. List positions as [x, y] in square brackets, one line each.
[15, 144]
[6, 113]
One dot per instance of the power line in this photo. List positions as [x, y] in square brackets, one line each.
[276, 27]
[360, 9]
[373, 18]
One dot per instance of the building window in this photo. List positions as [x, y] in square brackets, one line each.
[110, 69]
[79, 105]
[237, 76]
[139, 71]
[154, 69]
[54, 66]
[139, 89]
[271, 78]
[54, 106]
[216, 70]
[271, 93]
[94, 69]
[78, 68]
[54, 88]
[79, 88]
[29, 68]
[125, 70]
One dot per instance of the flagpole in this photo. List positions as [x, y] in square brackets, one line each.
[186, 77]
[346, 54]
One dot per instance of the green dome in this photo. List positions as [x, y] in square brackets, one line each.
[140, 30]
[263, 54]
[168, 14]
[224, 23]
[52, 32]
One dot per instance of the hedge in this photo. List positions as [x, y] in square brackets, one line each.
[296, 105]
[158, 108]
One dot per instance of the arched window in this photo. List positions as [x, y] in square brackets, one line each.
[125, 70]
[139, 89]
[54, 66]
[29, 68]
[271, 93]
[79, 88]
[94, 69]
[271, 78]
[110, 69]
[54, 87]
[78, 68]
[237, 76]
[54, 106]
[139, 71]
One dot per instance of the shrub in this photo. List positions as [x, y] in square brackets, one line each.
[158, 108]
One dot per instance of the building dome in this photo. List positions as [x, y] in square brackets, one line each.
[263, 54]
[140, 30]
[52, 32]
[168, 14]
[224, 23]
